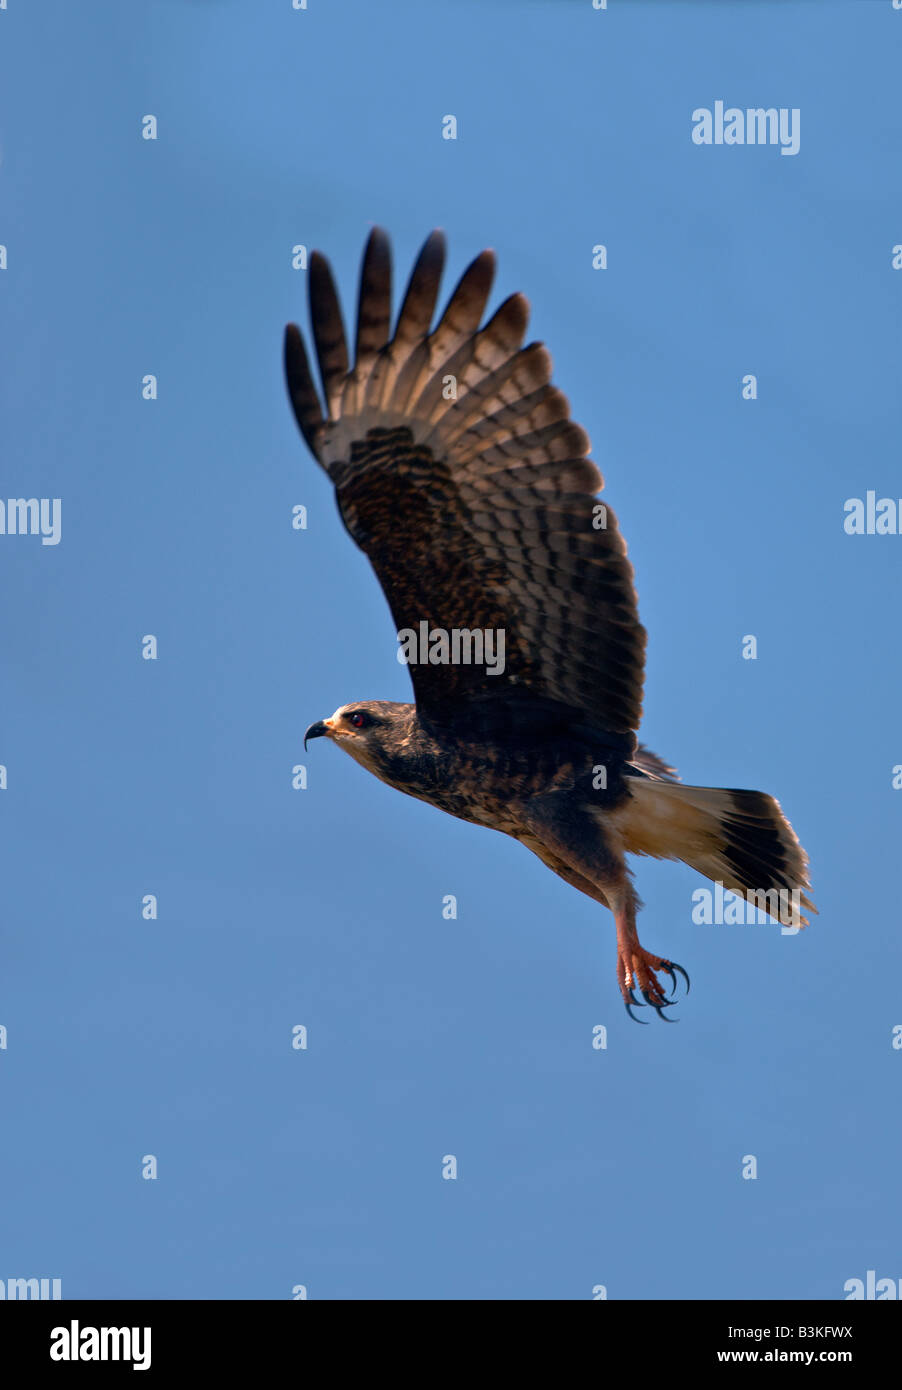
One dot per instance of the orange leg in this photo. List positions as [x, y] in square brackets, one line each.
[573, 844]
[636, 968]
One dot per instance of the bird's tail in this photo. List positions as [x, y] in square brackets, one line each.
[738, 838]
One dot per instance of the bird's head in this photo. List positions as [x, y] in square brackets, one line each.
[372, 731]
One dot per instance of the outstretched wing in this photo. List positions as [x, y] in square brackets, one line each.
[459, 473]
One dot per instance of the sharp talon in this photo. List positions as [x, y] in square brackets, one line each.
[670, 966]
[658, 1008]
[665, 967]
[667, 970]
[629, 973]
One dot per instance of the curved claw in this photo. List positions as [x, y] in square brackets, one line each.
[629, 1009]
[658, 1008]
[670, 966]
[637, 1002]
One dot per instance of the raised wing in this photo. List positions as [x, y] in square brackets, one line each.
[461, 476]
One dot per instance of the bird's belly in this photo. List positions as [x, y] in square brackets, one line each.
[489, 790]
[474, 804]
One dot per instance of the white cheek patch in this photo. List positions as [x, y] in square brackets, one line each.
[357, 749]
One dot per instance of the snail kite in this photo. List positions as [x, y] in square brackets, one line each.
[459, 473]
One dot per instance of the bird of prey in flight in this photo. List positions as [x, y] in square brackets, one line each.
[459, 473]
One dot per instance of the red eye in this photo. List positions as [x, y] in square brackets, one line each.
[358, 720]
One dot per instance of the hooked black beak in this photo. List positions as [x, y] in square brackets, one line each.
[317, 730]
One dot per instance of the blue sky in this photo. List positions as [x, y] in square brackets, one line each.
[577, 1167]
